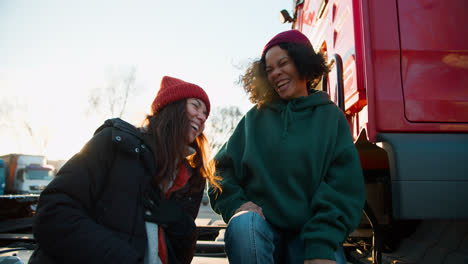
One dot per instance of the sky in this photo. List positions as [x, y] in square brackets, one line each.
[54, 53]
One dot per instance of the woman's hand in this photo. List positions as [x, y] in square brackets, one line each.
[249, 206]
[319, 261]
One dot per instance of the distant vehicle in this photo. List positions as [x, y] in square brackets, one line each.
[26, 174]
[205, 199]
[34, 178]
[2, 176]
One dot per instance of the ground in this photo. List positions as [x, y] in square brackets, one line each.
[433, 242]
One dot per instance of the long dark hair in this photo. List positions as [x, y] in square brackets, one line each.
[168, 127]
[309, 64]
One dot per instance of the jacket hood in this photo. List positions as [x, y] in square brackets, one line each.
[129, 139]
[287, 109]
[126, 136]
[121, 125]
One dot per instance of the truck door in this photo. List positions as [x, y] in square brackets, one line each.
[434, 59]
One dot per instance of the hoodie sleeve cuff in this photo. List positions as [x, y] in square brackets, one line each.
[233, 206]
[314, 250]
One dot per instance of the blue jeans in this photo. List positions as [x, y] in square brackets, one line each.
[251, 239]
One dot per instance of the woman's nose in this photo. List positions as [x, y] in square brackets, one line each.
[202, 116]
[275, 73]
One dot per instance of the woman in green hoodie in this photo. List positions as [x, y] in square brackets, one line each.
[292, 184]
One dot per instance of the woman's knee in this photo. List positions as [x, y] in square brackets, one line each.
[240, 223]
[249, 238]
[246, 224]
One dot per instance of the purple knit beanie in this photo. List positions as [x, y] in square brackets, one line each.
[290, 36]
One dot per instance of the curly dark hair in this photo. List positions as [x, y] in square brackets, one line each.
[309, 64]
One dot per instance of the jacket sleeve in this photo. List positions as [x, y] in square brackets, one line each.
[64, 225]
[228, 164]
[338, 201]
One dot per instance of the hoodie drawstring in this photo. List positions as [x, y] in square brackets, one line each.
[286, 115]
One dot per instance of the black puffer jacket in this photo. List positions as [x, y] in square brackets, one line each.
[92, 212]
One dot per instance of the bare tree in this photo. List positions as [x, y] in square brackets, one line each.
[41, 140]
[112, 100]
[221, 125]
[5, 113]
[16, 121]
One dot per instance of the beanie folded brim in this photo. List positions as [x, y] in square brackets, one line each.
[173, 89]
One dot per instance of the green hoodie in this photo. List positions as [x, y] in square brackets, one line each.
[297, 161]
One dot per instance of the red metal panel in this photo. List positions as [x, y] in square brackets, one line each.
[434, 50]
[381, 66]
[334, 26]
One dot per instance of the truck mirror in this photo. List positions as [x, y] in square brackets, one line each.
[284, 16]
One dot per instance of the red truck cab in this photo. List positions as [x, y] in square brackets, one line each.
[401, 71]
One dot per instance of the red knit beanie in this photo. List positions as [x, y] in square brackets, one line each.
[290, 36]
[173, 89]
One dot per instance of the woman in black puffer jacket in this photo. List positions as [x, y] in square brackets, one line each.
[131, 194]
